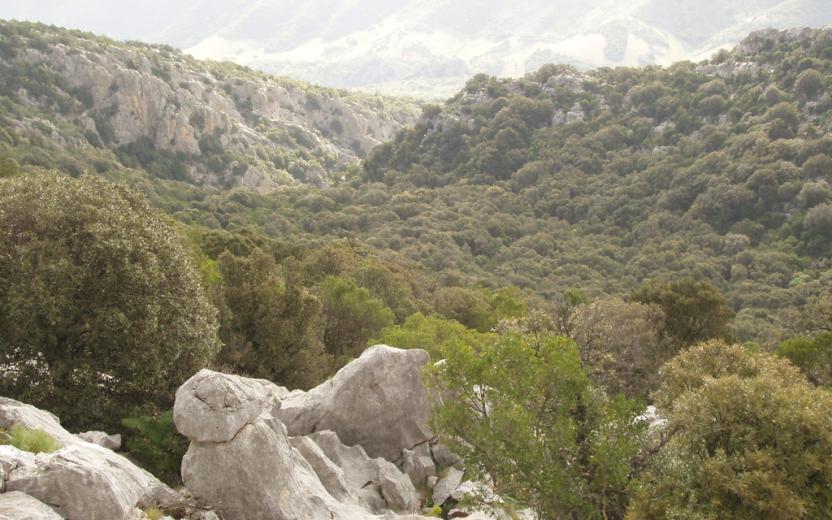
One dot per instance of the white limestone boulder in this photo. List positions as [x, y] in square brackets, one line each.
[377, 402]
[20, 506]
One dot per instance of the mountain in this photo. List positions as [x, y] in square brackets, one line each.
[430, 47]
[218, 124]
[597, 181]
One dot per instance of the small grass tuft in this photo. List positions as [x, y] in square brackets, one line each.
[32, 440]
[154, 513]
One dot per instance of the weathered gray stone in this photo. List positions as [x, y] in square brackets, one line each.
[447, 485]
[213, 407]
[331, 475]
[111, 442]
[255, 475]
[84, 482]
[248, 467]
[444, 457]
[377, 402]
[14, 412]
[258, 475]
[20, 506]
[80, 480]
[418, 464]
[379, 484]
[396, 489]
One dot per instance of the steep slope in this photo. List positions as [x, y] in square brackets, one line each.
[203, 122]
[720, 170]
[602, 181]
[430, 47]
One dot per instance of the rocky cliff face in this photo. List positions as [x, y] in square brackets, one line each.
[206, 122]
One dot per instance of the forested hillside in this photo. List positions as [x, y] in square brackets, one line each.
[574, 246]
[75, 101]
[602, 181]
[596, 182]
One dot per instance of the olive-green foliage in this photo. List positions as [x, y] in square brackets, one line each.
[101, 310]
[8, 167]
[153, 442]
[813, 356]
[352, 317]
[749, 439]
[429, 333]
[481, 308]
[467, 306]
[809, 83]
[35, 441]
[524, 413]
[622, 344]
[271, 325]
[154, 513]
[694, 311]
[815, 318]
[670, 173]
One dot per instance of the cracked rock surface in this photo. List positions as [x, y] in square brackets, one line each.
[243, 463]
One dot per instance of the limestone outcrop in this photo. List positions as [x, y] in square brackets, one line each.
[81, 480]
[243, 463]
[377, 402]
[20, 506]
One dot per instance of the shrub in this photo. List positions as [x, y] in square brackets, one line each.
[524, 414]
[809, 84]
[154, 442]
[747, 437]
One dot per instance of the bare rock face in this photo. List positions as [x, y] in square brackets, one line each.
[20, 506]
[243, 464]
[447, 485]
[84, 482]
[256, 475]
[213, 407]
[378, 482]
[162, 100]
[377, 402]
[418, 464]
[80, 481]
[332, 475]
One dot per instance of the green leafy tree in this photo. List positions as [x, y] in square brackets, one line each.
[748, 439]
[101, 310]
[813, 356]
[8, 167]
[523, 413]
[468, 306]
[430, 333]
[694, 311]
[271, 326]
[809, 84]
[622, 344]
[351, 316]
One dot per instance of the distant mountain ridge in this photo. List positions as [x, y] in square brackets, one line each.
[430, 47]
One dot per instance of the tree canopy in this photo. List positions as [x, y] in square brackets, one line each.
[101, 309]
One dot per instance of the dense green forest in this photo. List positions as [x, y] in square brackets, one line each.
[596, 182]
[610, 239]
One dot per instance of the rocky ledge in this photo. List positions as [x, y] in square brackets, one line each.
[356, 447]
